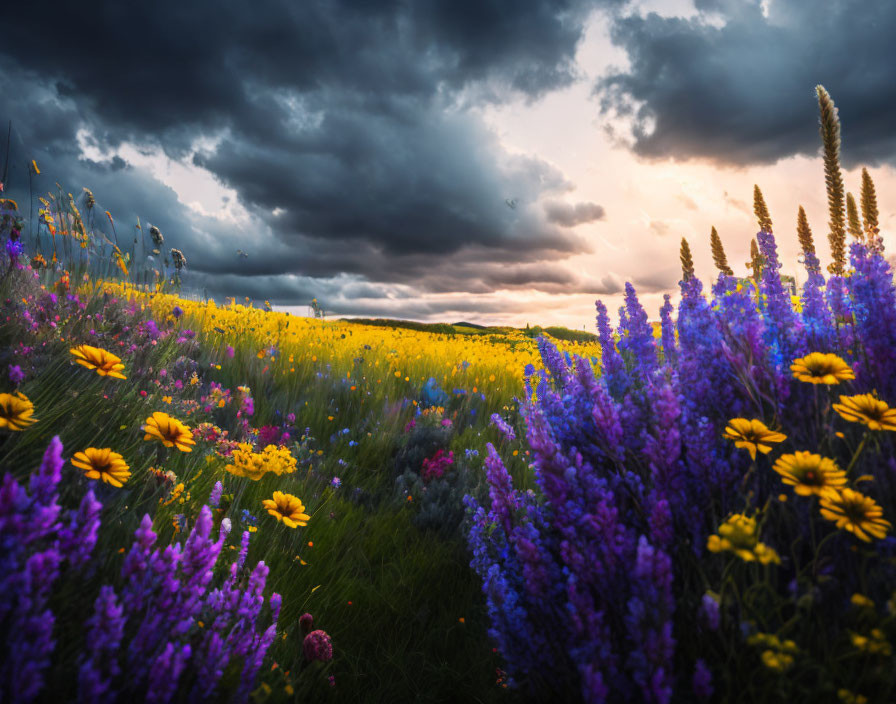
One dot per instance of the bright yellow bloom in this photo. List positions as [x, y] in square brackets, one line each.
[820, 368]
[778, 654]
[170, 431]
[847, 697]
[254, 465]
[855, 512]
[776, 660]
[740, 535]
[105, 363]
[752, 435]
[16, 411]
[809, 473]
[862, 601]
[865, 408]
[102, 463]
[287, 509]
[874, 644]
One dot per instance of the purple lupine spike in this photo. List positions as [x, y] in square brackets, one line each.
[873, 299]
[211, 659]
[612, 366]
[214, 499]
[702, 681]
[78, 538]
[651, 626]
[254, 661]
[500, 491]
[503, 426]
[662, 447]
[30, 642]
[106, 627]
[165, 673]
[136, 564]
[667, 330]
[636, 335]
[787, 330]
[46, 480]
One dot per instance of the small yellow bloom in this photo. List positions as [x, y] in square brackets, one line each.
[170, 431]
[739, 534]
[862, 601]
[102, 463]
[752, 435]
[16, 411]
[103, 362]
[288, 509]
[166, 399]
[868, 410]
[874, 644]
[847, 697]
[778, 661]
[820, 368]
[855, 512]
[809, 473]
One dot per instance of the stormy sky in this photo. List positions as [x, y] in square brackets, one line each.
[484, 160]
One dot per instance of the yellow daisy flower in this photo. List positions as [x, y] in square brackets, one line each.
[170, 431]
[105, 363]
[866, 409]
[102, 463]
[855, 512]
[752, 435]
[16, 411]
[288, 509]
[809, 474]
[820, 368]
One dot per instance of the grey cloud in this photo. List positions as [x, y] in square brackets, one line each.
[743, 92]
[567, 215]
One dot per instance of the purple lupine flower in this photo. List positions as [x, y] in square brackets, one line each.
[165, 673]
[636, 335]
[503, 426]
[46, 480]
[214, 499]
[613, 368]
[30, 642]
[667, 330]
[16, 375]
[709, 612]
[78, 538]
[106, 627]
[503, 499]
[702, 681]
[873, 299]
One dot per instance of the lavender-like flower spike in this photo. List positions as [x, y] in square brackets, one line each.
[45, 481]
[214, 499]
[78, 538]
[668, 330]
[106, 627]
[503, 426]
[503, 500]
[636, 335]
[165, 673]
[702, 680]
[612, 366]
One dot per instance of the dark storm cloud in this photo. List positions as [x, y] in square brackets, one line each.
[567, 215]
[743, 92]
[342, 127]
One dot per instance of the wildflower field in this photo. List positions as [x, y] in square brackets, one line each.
[222, 502]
